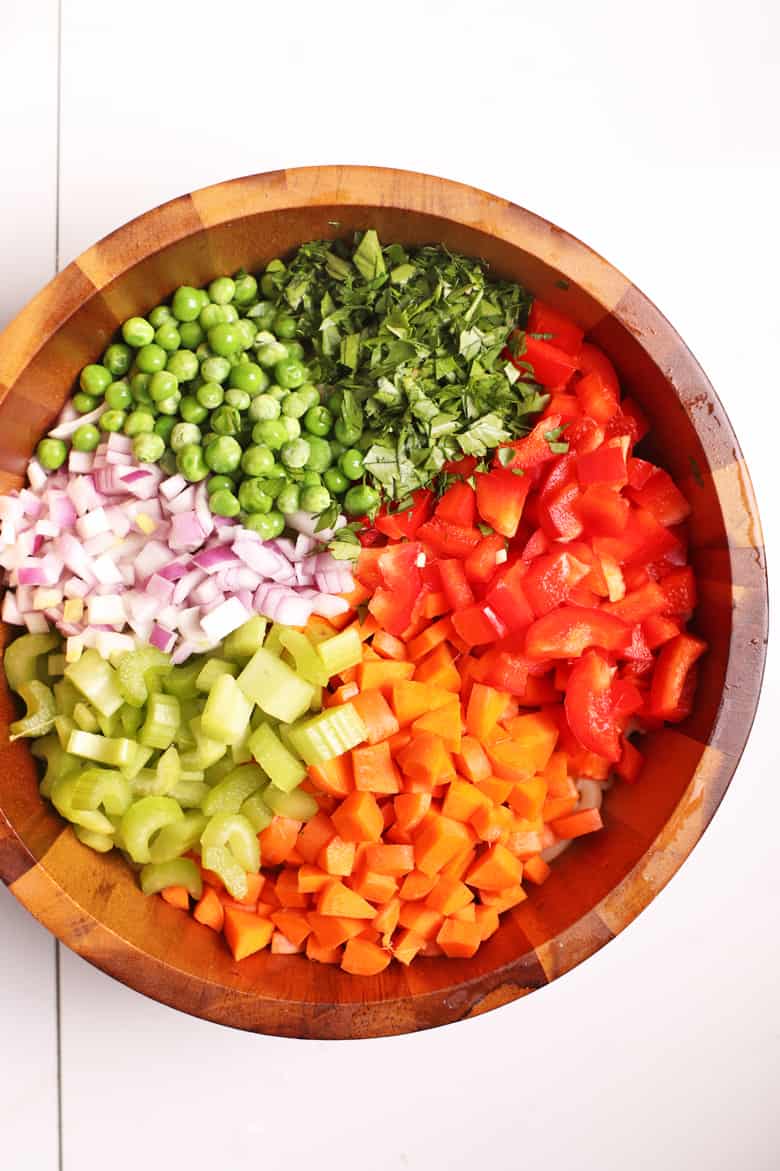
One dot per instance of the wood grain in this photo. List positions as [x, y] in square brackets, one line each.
[93, 904]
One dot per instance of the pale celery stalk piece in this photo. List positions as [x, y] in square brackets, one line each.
[102, 749]
[221, 861]
[22, 657]
[229, 794]
[178, 838]
[101, 843]
[330, 734]
[211, 671]
[242, 643]
[41, 713]
[136, 763]
[275, 687]
[85, 718]
[227, 710]
[97, 788]
[97, 681]
[142, 821]
[307, 662]
[59, 763]
[62, 799]
[156, 876]
[189, 794]
[235, 832]
[342, 651]
[282, 767]
[163, 717]
[257, 812]
[298, 805]
[206, 751]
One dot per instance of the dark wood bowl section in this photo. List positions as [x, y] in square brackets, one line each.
[92, 903]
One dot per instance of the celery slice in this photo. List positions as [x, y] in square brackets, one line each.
[41, 713]
[342, 651]
[140, 671]
[137, 761]
[97, 681]
[62, 799]
[59, 763]
[163, 716]
[257, 812]
[181, 680]
[130, 719]
[178, 838]
[275, 687]
[155, 876]
[22, 658]
[99, 787]
[216, 772]
[227, 710]
[206, 751]
[142, 821]
[102, 843]
[307, 662]
[189, 793]
[235, 832]
[63, 726]
[221, 861]
[284, 769]
[330, 734]
[85, 718]
[230, 793]
[102, 749]
[66, 696]
[111, 725]
[242, 643]
[298, 805]
[213, 670]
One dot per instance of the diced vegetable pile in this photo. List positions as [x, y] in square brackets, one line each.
[346, 598]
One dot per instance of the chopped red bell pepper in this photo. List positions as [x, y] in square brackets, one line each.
[639, 472]
[604, 511]
[590, 708]
[638, 650]
[506, 597]
[505, 671]
[550, 365]
[591, 359]
[393, 604]
[596, 399]
[478, 624]
[605, 465]
[448, 540]
[661, 496]
[639, 604]
[584, 435]
[564, 333]
[630, 421]
[627, 699]
[658, 629]
[398, 525]
[460, 467]
[458, 505]
[671, 671]
[530, 451]
[564, 404]
[558, 513]
[481, 563]
[536, 545]
[631, 762]
[679, 591]
[501, 497]
[455, 584]
[550, 580]
[568, 631]
[643, 540]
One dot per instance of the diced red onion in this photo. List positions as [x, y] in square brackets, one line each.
[67, 429]
[173, 486]
[186, 533]
[186, 584]
[226, 618]
[329, 606]
[216, 558]
[162, 639]
[36, 476]
[160, 588]
[106, 571]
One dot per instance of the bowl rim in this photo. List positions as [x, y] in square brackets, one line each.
[414, 193]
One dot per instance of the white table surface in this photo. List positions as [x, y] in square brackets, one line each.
[650, 131]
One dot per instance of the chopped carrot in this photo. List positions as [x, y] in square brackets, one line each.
[333, 776]
[555, 807]
[536, 733]
[435, 604]
[445, 722]
[407, 945]
[503, 900]
[293, 924]
[362, 958]
[395, 860]
[399, 741]
[459, 940]
[593, 766]
[437, 843]
[277, 840]
[337, 857]
[377, 715]
[556, 774]
[527, 797]
[209, 910]
[510, 760]
[524, 843]
[314, 835]
[438, 669]
[420, 919]
[374, 769]
[417, 885]
[472, 760]
[376, 888]
[495, 870]
[342, 694]
[577, 824]
[495, 789]
[368, 627]
[388, 646]
[449, 895]
[536, 870]
[246, 933]
[382, 674]
[411, 700]
[338, 899]
[324, 955]
[356, 596]
[426, 759]
[430, 638]
[177, 896]
[467, 914]
[491, 822]
[487, 920]
[458, 865]
[462, 800]
[386, 919]
[485, 708]
[282, 946]
[333, 930]
[348, 675]
[539, 689]
[312, 879]
[410, 809]
[358, 818]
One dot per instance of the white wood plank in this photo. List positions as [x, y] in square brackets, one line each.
[662, 1049]
[28, 132]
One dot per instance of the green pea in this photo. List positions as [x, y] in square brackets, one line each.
[337, 449]
[169, 405]
[222, 290]
[229, 314]
[191, 334]
[320, 457]
[148, 448]
[112, 421]
[253, 497]
[295, 453]
[223, 454]
[318, 420]
[210, 315]
[210, 395]
[117, 359]
[277, 392]
[168, 336]
[118, 395]
[270, 432]
[164, 426]
[215, 369]
[276, 475]
[162, 385]
[84, 403]
[138, 423]
[351, 464]
[224, 340]
[226, 421]
[151, 358]
[224, 503]
[348, 434]
[257, 460]
[158, 315]
[186, 304]
[217, 483]
[137, 332]
[263, 313]
[295, 350]
[310, 393]
[335, 481]
[191, 410]
[315, 499]
[245, 289]
[269, 525]
[85, 438]
[285, 326]
[310, 479]
[289, 499]
[95, 380]
[139, 388]
[290, 373]
[247, 331]
[291, 426]
[249, 377]
[238, 399]
[191, 464]
[270, 353]
[294, 406]
[361, 500]
[51, 454]
[183, 364]
[203, 297]
[264, 407]
[184, 434]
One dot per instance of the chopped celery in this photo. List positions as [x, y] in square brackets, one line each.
[181, 680]
[330, 734]
[240, 750]
[97, 681]
[22, 658]
[216, 772]
[137, 761]
[55, 664]
[318, 629]
[63, 726]
[284, 769]
[102, 788]
[146, 783]
[178, 838]
[230, 793]
[102, 749]
[163, 716]
[342, 651]
[227, 710]
[189, 793]
[257, 812]
[273, 642]
[168, 769]
[102, 843]
[300, 806]
[206, 751]
[62, 799]
[242, 643]
[66, 696]
[308, 664]
[221, 861]
[85, 718]
[235, 832]
[178, 872]
[130, 719]
[59, 763]
[142, 821]
[316, 701]
[211, 671]
[111, 725]
[275, 687]
[140, 671]
[41, 711]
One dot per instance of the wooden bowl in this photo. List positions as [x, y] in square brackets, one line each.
[92, 903]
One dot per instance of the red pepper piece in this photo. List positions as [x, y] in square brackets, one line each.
[568, 631]
[565, 334]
